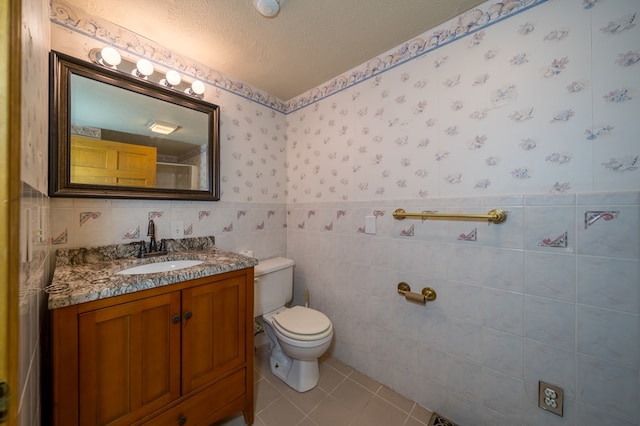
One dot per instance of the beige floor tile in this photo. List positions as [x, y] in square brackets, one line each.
[265, 394]
[344, 396]
[332, 412]
[380, 413]
[329, 378]
[365, 381]
[396, 399]
[281, 413]
[353, 395]
[411, 421]
[306, 401]
[421, 413]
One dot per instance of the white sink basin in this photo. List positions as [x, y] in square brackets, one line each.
[152, 268]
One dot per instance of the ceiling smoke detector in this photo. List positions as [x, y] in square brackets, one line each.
[268, 8]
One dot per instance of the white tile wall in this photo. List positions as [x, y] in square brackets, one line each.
[515, 317]
[34, 212]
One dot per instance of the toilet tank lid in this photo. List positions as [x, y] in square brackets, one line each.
[271, 265]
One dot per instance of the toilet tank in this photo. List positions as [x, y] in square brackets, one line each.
[273, 284]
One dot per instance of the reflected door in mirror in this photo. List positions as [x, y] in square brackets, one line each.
[101, 162]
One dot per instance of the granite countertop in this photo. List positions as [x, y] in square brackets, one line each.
[86, 274]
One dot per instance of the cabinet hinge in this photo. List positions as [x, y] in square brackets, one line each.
[5, 397]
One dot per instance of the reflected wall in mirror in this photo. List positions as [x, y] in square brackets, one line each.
[114, 135]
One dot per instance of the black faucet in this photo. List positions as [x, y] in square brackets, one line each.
[151, 232]
[153, 249]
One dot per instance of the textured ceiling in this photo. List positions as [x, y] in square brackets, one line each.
[307, 44]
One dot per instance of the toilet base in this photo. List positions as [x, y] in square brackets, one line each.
[300, 375]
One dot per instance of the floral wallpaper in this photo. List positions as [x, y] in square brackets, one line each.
[480, 105]
[532, 104]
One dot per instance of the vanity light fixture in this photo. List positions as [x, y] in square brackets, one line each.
[109, 57]
[268, 8]
[172, 78]
[163, 127]
[197, 88]
[143, 69]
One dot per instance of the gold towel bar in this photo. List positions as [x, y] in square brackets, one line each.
[494, 216]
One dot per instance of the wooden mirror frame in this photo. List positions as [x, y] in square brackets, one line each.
[61, 68]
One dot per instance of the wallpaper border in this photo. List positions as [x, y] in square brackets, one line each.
[464, 25]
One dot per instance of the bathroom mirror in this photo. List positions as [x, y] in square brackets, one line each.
[104, 140]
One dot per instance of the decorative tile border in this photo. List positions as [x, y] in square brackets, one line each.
[87, 216]
[561, 241]
[470, 23]
[132, 235]
[155, 215]
[591, 217]
[409, 232]
[62, 238]
[470, 236]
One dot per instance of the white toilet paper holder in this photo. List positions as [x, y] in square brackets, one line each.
[427, 295]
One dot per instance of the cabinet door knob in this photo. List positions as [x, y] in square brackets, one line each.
[188, 315]
[182, 420]
[175, 319]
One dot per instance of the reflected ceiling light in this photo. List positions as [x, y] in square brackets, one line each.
[163, 127]
[109, 57]
[172, 78]
[197, 88]
[144, 68]
[268, 8]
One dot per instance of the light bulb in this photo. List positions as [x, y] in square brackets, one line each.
[110, 57]
[197, 88]
[173, 77]
[144, 68]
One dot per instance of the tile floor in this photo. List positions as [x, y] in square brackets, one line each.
[344, 397]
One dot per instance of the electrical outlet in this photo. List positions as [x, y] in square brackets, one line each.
[550, 398]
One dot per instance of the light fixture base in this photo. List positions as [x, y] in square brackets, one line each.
[268, 8]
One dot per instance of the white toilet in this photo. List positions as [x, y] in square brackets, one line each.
[298, 336]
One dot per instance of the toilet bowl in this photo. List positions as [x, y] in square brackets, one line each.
[299, 335]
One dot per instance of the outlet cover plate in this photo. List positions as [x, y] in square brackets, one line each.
[369, 224]
[177, 229]
[553, 405]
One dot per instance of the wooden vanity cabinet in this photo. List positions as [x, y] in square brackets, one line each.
[180, 354]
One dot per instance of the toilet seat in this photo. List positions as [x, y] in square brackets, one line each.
[301, 323]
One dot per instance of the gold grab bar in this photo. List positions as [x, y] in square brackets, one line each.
[494, 216]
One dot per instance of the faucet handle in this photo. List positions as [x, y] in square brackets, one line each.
[163, 245]
[142, 249]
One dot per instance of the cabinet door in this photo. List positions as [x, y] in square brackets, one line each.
[129, 360]
[213, 331]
